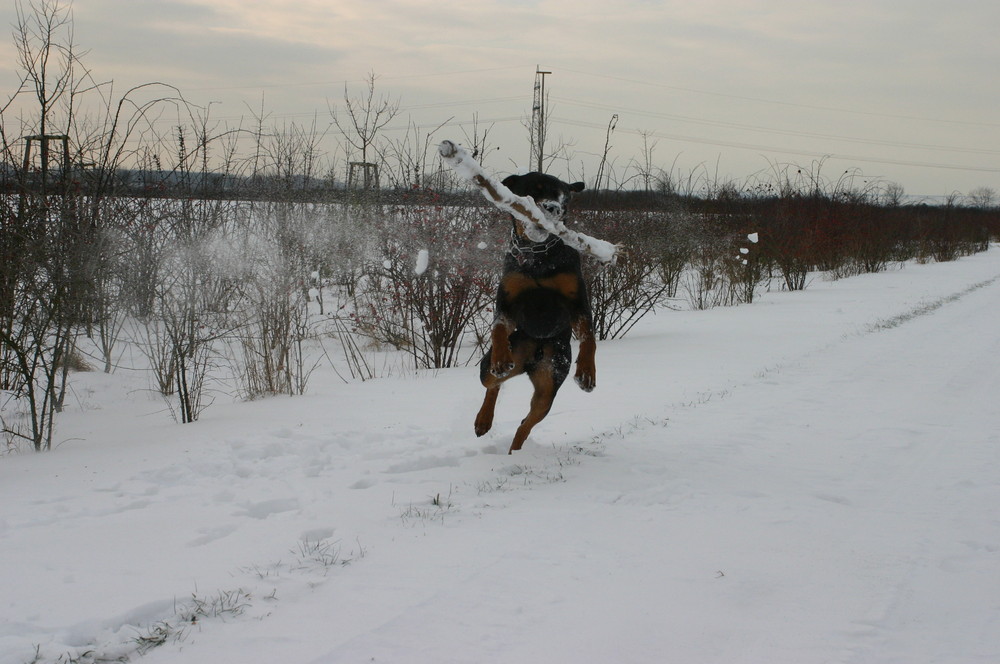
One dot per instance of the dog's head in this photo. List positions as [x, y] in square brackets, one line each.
[549, 193]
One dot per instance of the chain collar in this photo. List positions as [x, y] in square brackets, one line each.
[522, 248]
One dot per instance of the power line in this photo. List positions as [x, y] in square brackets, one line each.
[768, 148]
[777, 102]
[773, 130]
[346, 81]
[415, 107]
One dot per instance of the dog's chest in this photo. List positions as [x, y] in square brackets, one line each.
[514, 284]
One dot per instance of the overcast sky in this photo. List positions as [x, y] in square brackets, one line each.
[904, 91]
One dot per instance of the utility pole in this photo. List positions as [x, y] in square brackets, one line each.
[538, 118]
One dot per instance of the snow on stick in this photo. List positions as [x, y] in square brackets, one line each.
[536, 224]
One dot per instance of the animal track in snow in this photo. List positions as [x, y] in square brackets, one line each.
[212, 534]
[266, 508]
[423, 463]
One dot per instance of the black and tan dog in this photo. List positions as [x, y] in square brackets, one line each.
[541, 301]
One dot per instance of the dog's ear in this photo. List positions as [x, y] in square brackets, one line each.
[510, 181]
[577, 187]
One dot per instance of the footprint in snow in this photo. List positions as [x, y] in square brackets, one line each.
[266, 508]
[212, 534]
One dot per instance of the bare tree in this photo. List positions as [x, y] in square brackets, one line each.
[363, 117]
[40, 248]
[293, 154]
[983, 198]
[645, 167]
[410, 156]
[478, 142]
[893, 194]
[43, 38]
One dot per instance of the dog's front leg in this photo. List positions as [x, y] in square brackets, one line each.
[501, 357]
[586, 367]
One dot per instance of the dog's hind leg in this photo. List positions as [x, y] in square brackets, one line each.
[546, 376]
[541, 403]
[521, 349]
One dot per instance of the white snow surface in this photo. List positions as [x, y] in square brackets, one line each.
[811, 478]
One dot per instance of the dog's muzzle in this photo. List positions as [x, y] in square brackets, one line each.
[552, 208]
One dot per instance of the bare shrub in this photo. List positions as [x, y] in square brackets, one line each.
[354, 356]
[790, 240]
[36, 342]
[623, 293]
[275, 323]
[982, 198]
[705, 281]
[745, 271]
[675, 241]
[195, 297]
[431, 280]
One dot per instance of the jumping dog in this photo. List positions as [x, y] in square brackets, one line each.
[542, 299]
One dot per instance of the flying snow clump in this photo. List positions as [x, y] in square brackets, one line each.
[423, 257]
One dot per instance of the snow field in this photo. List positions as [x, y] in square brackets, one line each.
[811, 478]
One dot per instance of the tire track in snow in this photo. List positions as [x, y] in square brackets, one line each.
[879, 325]
[928, 307]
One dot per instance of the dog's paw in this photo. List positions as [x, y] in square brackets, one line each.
[501, 369]
[587, 380]
[482, 428]
[501, 360]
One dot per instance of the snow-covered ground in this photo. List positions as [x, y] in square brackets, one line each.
[811, 478]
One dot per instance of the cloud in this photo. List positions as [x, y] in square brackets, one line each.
[190, 44]
[718, 80]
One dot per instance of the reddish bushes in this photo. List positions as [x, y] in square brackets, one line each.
[802, 234]
[432, 279]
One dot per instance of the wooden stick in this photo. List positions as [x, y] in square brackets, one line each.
[537, 226]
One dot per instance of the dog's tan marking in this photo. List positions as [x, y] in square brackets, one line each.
[586, 367]
[565, 282]
[501, 358]
[516, 283]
